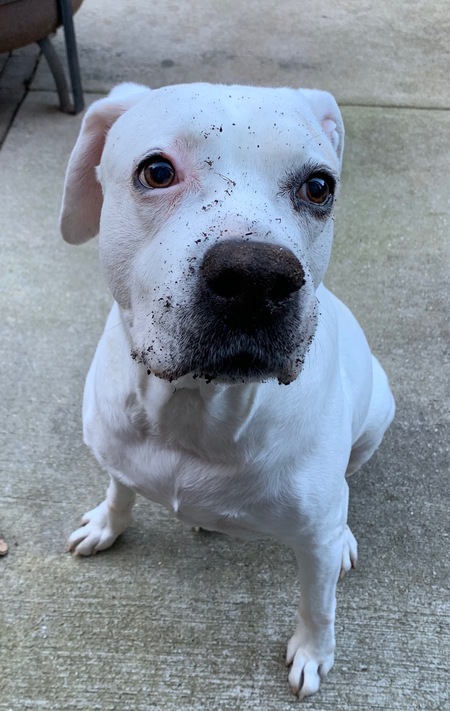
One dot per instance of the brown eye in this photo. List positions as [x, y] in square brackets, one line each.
[157, 172]
[316, 190]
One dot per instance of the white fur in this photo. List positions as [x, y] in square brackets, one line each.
[249, 459]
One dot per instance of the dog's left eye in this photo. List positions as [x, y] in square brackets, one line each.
[156, 172]
[317, 190]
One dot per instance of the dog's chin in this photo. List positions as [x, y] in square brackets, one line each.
[241, 368]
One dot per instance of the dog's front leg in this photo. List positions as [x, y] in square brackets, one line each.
[311, 647]
[102, 525]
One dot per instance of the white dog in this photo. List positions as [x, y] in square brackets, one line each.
[229, 385]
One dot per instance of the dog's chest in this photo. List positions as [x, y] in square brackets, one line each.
[235, 498]
[203, 460]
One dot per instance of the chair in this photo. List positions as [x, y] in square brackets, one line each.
[23, 22]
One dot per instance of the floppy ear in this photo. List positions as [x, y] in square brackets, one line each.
[82, 197]
[327, 112]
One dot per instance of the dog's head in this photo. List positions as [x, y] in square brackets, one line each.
[214, 207]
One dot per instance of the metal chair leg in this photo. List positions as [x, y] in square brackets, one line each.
[65, 7]
[57, 70]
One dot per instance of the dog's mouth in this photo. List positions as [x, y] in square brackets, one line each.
[225, 365]
[207, 348]
[242, 359]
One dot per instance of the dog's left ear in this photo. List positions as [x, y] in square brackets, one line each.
[82, 198]
[327, 112]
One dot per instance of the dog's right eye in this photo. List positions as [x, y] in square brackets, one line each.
[156, 173]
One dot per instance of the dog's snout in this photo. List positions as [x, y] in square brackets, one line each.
[252, 273]
[247, 311]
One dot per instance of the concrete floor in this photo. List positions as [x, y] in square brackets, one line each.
[167, 619]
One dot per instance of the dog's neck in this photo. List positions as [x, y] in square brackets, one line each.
[200, 412]
[230, 405]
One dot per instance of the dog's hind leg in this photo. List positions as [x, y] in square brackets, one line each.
[101, 526]
[379, 417]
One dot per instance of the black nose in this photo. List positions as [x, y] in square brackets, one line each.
[254, 275]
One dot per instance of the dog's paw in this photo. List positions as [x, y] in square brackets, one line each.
[100, 528]
[310, 663]
[349, 552]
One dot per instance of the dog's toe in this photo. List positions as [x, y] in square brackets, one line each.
[307, 672]
[304, 677]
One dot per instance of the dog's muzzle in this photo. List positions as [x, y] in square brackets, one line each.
[246, 315]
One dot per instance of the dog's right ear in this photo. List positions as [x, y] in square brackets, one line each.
[328, 113]
[82, 197]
